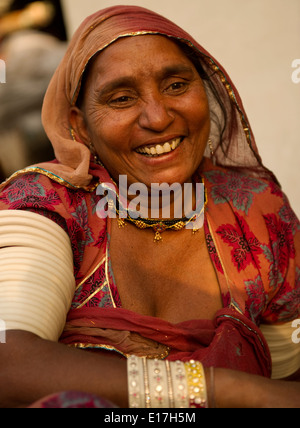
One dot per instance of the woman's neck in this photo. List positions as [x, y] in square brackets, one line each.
[164, 201]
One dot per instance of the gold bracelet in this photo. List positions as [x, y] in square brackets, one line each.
[196, 384]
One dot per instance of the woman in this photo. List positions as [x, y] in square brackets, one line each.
[136, 97]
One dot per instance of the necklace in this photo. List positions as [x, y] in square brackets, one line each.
[159, 226]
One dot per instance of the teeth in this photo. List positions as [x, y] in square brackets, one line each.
[167, 148]
[160, 149]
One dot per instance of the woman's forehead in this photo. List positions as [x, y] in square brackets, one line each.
[141, 52]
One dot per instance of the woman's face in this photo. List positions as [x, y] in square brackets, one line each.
[145, 110]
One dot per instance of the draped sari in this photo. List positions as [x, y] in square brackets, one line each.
[252, 234]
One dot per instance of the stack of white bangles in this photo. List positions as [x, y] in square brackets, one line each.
[284, 348]
[36, 274]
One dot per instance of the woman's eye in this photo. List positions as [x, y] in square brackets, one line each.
[177, 87]
[121, 101]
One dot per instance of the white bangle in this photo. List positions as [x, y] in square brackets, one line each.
[180, 387]
[136, 389]
[37, 283]
[158, 383]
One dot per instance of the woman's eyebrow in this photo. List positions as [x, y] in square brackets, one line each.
[177, 69]
[122, 82]
[130, 81]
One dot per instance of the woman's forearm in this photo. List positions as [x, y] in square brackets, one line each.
[32, 368]
[242, 390]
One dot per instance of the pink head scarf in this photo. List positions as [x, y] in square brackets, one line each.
[95, 34]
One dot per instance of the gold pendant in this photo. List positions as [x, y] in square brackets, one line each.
[158, 229]
[121, 223]
[157, 237]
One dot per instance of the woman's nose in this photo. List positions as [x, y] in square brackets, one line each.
[156, 115]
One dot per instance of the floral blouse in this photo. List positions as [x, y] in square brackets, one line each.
[252, 235]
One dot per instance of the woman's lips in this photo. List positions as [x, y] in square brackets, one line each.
[160, 149]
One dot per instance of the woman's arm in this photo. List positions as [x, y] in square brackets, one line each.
[32, 368]
[241, 390]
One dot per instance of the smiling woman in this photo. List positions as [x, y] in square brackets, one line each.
[156, 100]
[201, 314]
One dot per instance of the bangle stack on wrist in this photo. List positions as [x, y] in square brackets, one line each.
[196, 384]
[164, 384]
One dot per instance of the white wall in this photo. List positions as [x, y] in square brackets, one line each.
[256, 41]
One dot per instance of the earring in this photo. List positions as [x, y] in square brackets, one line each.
[94, 154]
[211, 147]
[92, 148]
[73, 135]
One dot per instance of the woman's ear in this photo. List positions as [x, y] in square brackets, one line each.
[78, 125]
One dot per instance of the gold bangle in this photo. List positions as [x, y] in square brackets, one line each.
[196, 384]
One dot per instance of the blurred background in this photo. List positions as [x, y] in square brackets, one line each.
[255, 40]
[32, 42]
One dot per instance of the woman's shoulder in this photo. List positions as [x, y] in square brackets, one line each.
[40, 190]
[39, 182]
[73, 209]
[246, 193]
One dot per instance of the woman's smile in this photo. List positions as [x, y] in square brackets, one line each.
[155, 150]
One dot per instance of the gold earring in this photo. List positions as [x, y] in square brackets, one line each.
[94, 154]
[211, 147]
[73, 135]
